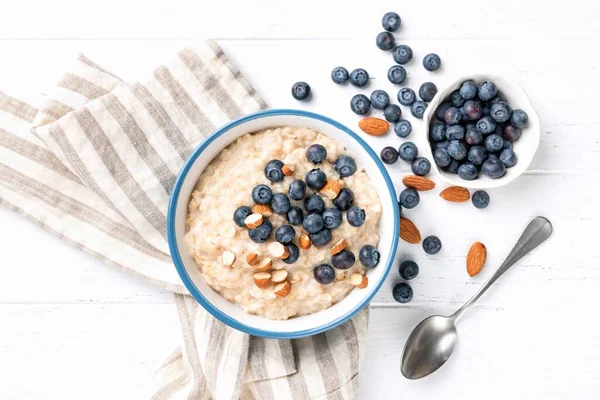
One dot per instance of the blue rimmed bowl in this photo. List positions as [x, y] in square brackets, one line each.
[231, 314]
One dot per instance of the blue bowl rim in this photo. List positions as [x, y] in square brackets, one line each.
[187, 281]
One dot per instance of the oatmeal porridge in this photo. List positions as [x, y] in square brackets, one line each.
[283, 223]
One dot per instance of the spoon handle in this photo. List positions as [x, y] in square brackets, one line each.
[538, 230]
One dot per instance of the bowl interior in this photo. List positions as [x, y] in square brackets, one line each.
[232, 314]
[525, 147]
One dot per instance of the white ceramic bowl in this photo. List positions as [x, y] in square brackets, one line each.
[232, 314]
[525, 147]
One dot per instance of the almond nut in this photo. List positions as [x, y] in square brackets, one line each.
[282, 289]
[455, 194]
[304, 241]
[287, 169]
[418, 182]
[331, 189]
[262, 279]
[278, 250]
[264, 264]
[253, 221]
[339, 246]
[228, 258]
[279, 276]
[374, 126]
[262, 209]
[358, 280]
[251, 258]
[476, 258]
[409, 232]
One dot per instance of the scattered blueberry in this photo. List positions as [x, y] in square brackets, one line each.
[392, 113]
[344, 199]
[379, 99]
[519, 118]
[457, 150]
[297, 189]
[320, 238]
[432, 245]
[477, 155]
[418, 109]
[406, 96]
[314, 204]
[301, 90]
[493, 168]
[261, 233]
[409, 198]
[408, 151]
[262, 194]
[427, 91]
[453, 116]
[280, 203]
[385, 41]
[295, 215]
[480, 199]
[402, 292]
[486, 125]
[441, 157]
[402, 54]
[273, 171]
[467, 171]
[345, 166]
[473, 136]
[468, 90]
[332, 218]
[511, 132]
[240, 215]
[452, 168]
[391, 21]
[472, 110]
[339, 75]
[441, 111]
[285, 234]
[389, 155]
[408, 269]
[432, 62]
[455, 132]
[456, 99]
[508, 158]
[313, 223]
[396, 74]
[343, 260]
[324, 274]
[437, 132]
[359, 77]
[294, 254]
[369, 256]
[493, 143]
[316, 153]
[403, 128]
[420, 166]
[315, 179]
[487, 91]
[360, 104]
[356, 216]
[500, 111]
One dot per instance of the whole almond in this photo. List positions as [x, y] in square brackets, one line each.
[358, 280]
[418, 182]
[456, 194]
[264, 264]
[253, 220]
[476, 258]
[331, 189]
[304, 241]
[338, 246]
[262, 209]
[262, 279]
[374, 126]
[279, 276]
[409, 232]
[282, 289]
[228, 258]
[251, 258]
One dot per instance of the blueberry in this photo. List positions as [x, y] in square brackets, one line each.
[418, 109]
[487, 91]
[409, 198]
[301, 90]
[360, 104]
[344, 199]
[240, 215]
[456, 99]
[432, 62]
[408, 151]
[493, 168]
[508, 158]
[437, 132]
[403, 128]
[356, 216]
[369, 256]
[427, 91]
[457, 150]
[379, 99]
[294, 254]
[320, 238]
[507, 145]
[408, 269]
[432, 245]
[345, 166]
[480, 199]
[477, 155]
[485, 109]
[493, 156]
[332, 217]
[324, 274]
[396, 74]
[402, 292]
[453, 116]
[316, 153]
[467, 171]
[359, 77]
[500, 111]
[262, 194]
[519, 118]
[295, 216]
[313, 223]
[511, 133]
[472, 110]
[402, 54]
[339, 75]
[493, 143]
[392, 113]
[261, 233]
[343, 260]
[314, 204]
[441, 157]
[440, 111]
[468, 90]
[455, 132]
[285, 234]
[486, 125]
[315, 179]
[297, 189]
[389, 155]
[499, 97]
[452, 168]
[280, 203]
[406, 96]
[273, 171]
[473, 136]
[391, 21]
[385, 41]
[420, 166]
[441, 145]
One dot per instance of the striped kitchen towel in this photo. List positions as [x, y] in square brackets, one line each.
[95, 163]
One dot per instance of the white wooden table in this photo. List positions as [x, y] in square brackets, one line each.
[72, 327]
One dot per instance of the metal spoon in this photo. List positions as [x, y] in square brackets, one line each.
[431, 343]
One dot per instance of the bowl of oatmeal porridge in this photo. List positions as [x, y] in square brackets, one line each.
[283, 224]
